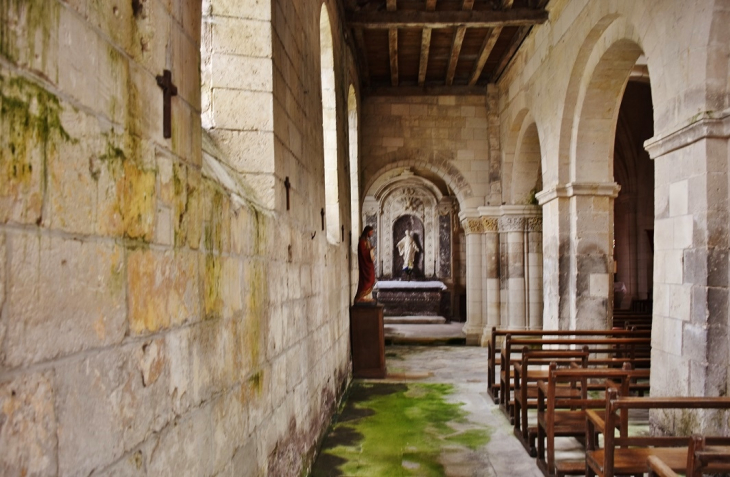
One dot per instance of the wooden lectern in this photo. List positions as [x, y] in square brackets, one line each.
[367, 341]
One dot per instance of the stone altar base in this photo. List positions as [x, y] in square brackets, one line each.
[404, 298]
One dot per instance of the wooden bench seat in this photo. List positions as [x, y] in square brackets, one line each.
[560, 417]
[701, 459]
[526, 378]
[629, 454]
[498, 335]
[620, 347]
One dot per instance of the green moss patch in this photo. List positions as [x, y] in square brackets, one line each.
[397, 429]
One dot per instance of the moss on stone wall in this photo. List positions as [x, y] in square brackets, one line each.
[22, 24]
[30, 126]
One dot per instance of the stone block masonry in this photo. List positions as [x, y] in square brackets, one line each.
[155, 318]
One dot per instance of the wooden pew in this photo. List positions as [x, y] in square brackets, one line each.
[561, 417]
[700, 460]
[494, 351]
[629, 454]
[528, 371]
[626, 349]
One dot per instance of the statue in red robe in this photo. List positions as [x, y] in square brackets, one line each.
[366, 282]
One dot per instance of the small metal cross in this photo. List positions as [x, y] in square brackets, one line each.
[169, 90]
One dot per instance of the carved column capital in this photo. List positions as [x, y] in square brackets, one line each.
[511, 224]
[490, 224]
[473, 226]
[533, 224]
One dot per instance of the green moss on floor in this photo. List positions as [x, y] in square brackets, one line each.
[397, 429]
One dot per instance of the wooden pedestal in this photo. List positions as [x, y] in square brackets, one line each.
[367, 341]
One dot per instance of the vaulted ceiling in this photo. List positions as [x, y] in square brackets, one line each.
[437, 46]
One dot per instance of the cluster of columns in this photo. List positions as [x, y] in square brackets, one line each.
[503, 269]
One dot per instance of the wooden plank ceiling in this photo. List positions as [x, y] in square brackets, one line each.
[437, 46]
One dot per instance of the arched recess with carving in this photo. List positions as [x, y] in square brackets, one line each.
[454, 181]
[329, 127]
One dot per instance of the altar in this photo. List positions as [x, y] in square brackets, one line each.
[406, 298]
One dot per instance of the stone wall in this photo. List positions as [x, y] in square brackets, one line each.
[569, 78]
[155, 317]
[444, 134]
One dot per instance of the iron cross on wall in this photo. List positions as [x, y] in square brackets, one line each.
[169, 90]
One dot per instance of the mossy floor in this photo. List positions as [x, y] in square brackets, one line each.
[430, 417]
[394, 429]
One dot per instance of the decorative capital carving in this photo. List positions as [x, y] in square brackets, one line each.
[473, 226]
[533, 224]
[490, 224]
[511, 224]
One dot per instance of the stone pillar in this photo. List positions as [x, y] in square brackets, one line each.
[512, 251]
[474, 293]
[591, 207]
[578, 260]
[533, 270]
[690, 342]
[578, 240]
[491, 267]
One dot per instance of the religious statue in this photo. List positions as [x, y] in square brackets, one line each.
[365, 261]
[407, 249]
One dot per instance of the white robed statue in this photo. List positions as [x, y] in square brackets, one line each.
[407, 249]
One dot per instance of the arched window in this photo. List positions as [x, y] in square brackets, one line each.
[354, 164]
[329, 128]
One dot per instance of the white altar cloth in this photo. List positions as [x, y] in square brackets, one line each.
[395, 284]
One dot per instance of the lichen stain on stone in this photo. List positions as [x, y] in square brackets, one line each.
[30, 125]
[256, 302]
[161, 290]
[385, 425]
[188, 208]
[136, 195]
[212, 286]
[22, 23]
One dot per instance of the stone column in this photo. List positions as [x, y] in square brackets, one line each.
[512, 251]
[491, 267]
[533, 270]
[578, 260]
[578, 240]
[556, 258]
[591, 208]
[474, 293]
[690, 330]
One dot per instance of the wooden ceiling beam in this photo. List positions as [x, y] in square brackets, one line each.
[451, 19]
[360, 43]
[456, 46]
[425, 91]
[425, 46]
[510, 53]
[393, 46]
[489, 42]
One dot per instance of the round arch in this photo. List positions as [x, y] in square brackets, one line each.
[329, 126]
[449, 174]
[523, 160]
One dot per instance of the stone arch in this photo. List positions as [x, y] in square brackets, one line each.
[526, 177]
[608, 30]
[329, 126]
[596, 114]
[447, 172]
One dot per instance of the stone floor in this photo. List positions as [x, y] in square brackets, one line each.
[415, 330]
[491, 451]
[430, 417]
